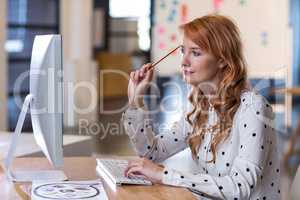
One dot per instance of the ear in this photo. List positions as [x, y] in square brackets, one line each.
[221, 63]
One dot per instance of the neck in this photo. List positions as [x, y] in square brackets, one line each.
[210, 88]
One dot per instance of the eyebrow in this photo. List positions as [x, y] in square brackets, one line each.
[196, 48]
[193, 48]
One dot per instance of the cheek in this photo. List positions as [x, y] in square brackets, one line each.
[201, 67]
[205, 70]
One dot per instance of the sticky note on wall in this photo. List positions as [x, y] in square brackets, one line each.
[217, 4]
[183, 13]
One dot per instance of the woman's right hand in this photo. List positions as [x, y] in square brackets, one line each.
[138, 84]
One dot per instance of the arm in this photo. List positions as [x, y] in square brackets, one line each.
[247, 167]
[138, 126]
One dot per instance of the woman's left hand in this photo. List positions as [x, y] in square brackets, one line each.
[145, 168]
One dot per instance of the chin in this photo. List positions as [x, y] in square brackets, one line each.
[191, 81]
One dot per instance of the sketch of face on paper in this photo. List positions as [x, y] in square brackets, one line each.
[67, 191]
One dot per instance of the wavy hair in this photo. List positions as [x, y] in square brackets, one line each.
[219, 36]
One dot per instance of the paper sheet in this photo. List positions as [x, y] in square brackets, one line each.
[88, 190]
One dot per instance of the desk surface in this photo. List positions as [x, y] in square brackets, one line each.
[27, 145]
[293, 90]
[83, 168]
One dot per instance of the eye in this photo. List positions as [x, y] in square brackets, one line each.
[182, 50]
[196, 53]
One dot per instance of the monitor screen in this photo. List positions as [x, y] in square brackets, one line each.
[46, 88]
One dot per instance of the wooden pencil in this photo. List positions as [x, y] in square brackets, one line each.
[155, 63]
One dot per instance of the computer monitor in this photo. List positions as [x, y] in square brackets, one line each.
[45, 102]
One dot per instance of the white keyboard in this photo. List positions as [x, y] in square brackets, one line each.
[112, 170]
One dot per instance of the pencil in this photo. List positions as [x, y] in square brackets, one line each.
[153, 65]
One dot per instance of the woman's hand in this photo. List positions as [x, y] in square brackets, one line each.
[145, 168]
[138, 83]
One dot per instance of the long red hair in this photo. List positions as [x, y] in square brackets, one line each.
[219, 36]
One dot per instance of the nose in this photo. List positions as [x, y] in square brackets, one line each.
[185, 62]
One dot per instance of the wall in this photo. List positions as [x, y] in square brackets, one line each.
[3, 68]
[79, 70]
[264, 29]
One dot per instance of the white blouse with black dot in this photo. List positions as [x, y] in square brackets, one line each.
[246, 166]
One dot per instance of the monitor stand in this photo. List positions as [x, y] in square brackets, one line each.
[30, 175]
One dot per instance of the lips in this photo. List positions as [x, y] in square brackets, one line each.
[187, 72]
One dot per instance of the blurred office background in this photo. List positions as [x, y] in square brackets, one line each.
[103, 40]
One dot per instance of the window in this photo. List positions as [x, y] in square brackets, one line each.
[141, 11]
[26, 18]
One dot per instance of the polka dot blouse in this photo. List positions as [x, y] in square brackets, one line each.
[246, 166]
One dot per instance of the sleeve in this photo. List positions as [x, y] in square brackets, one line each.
[254, 126]
[146, 143]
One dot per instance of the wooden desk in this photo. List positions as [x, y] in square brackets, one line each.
[83, 168]
[293, 91]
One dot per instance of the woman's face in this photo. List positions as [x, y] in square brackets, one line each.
[198, 66]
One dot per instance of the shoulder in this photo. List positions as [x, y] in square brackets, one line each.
[255, 104]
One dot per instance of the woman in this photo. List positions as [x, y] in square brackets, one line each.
[229, 130]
